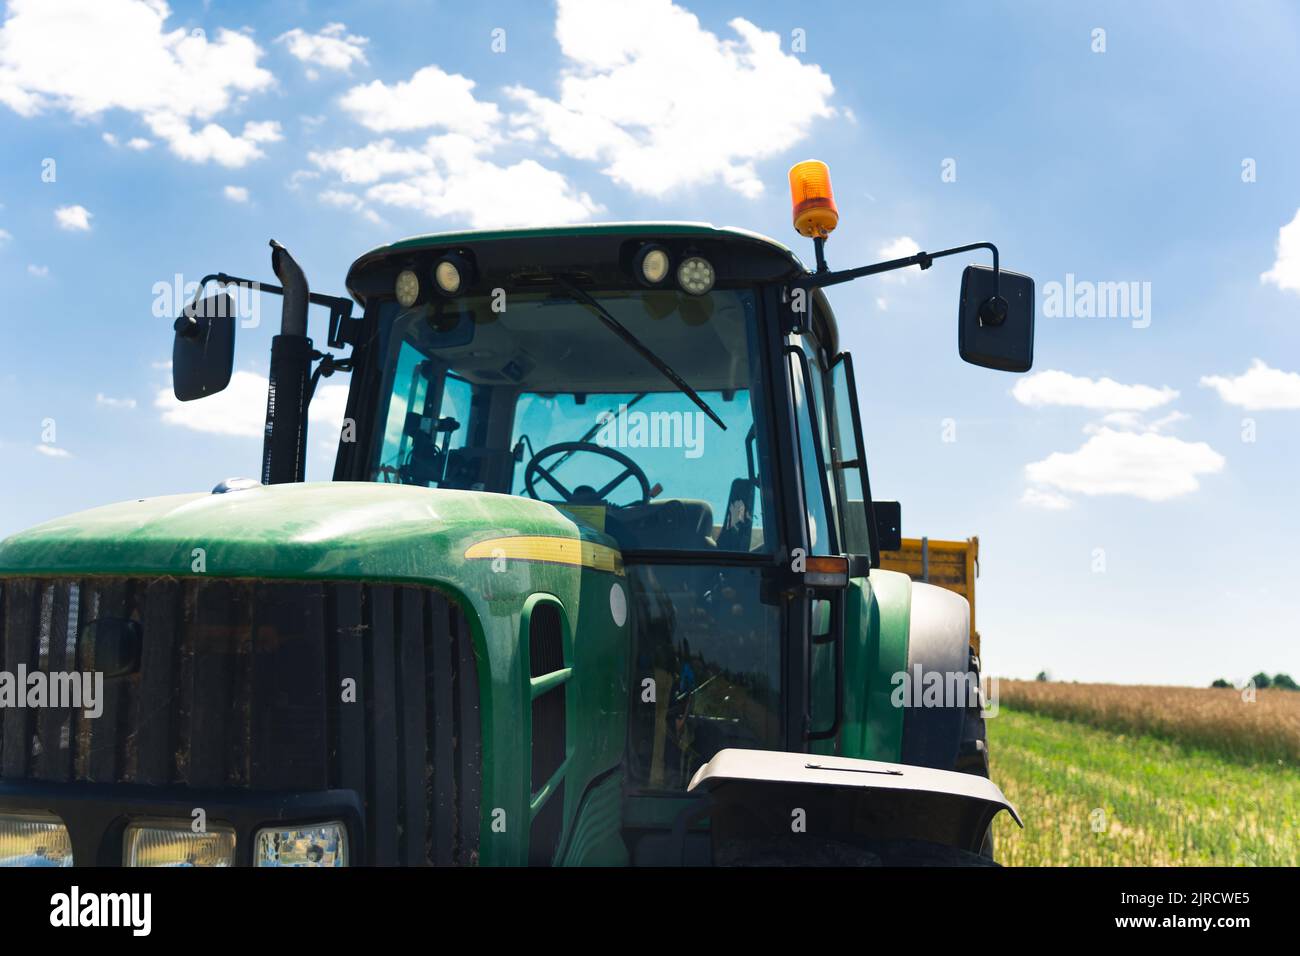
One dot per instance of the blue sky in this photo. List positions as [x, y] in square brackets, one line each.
[1134, 497]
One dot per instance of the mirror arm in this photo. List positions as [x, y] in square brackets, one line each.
[822, 277]
[340, 307]
[187, 324]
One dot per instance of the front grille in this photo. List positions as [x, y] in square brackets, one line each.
[259, 685]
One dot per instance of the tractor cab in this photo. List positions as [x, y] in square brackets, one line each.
[650, 384]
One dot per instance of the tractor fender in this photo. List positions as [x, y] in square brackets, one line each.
[938, 642]
[772, 808]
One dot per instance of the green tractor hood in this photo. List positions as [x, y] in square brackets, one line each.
[320, 530]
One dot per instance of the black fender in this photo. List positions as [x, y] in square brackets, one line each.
[938, 641]
[856, 812]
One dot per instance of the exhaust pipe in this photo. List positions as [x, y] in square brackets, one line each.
[285, 443]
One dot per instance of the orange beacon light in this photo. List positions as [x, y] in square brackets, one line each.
[811, 200]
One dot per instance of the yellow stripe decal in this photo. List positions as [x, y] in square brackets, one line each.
[549, 549]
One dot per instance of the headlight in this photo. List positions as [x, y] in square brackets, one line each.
[407, 288]
[167, 844]
[34, 839]
[695, 275]
[321, 844]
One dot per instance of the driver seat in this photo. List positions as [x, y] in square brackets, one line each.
[678, 523]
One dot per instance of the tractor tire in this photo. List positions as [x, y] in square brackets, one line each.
[973, 752]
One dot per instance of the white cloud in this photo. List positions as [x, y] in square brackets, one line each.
[665, 104]
[342, 200]
[87, 57]
[215, 143]
[451, 176]
[73, 218]
[464, 185]
[137, 143]
[1054, 387]
[430, 99]
[299, 176]
[1135, 421]
[899, 248]
[5, 235]
[1130, 420]
[39, 272]
[1163, 422]
[718, 107]
[262, 131]
[345, 200]
[53, 451]
[1285, 273]
[372, 162]
[453, 172]
[1259, 388]
[108, 402]
[240, 411]
[1145, 465]
[326, 413]
[1048, 500]
[331, 49]
[236, 193]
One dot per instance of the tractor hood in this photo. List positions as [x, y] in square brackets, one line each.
[343, 530]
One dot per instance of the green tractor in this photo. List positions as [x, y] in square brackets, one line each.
[597, 582]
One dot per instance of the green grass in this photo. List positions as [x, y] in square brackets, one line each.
[1161, 803]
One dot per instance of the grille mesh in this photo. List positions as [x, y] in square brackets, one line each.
[241, 684]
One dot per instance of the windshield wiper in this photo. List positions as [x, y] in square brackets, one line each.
[641, 348]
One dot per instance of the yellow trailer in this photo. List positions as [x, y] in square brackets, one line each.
[948, 564]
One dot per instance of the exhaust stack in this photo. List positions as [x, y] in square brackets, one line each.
[285, 443]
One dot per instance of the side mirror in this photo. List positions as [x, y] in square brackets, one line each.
[203, 353]
[995, 324]
[888, 516]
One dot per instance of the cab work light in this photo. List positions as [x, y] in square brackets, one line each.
[811, 200]
[407, 288]
[695, 275]
[452, 273]
[164, 843]
[652, 264]
[321, 844]
[34, 839]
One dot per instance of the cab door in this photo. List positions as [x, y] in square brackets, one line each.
[830, 631]
[816, 634]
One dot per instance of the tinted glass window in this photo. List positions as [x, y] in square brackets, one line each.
[848, 462]
[813, 452]
[713, 650]
[542, 398]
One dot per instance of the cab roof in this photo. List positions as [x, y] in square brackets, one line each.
[780, 258]
[630, 229]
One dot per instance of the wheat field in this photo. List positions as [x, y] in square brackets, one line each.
[1254, 727]
[1107, 775]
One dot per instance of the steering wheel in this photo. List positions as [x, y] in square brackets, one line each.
[584, 494]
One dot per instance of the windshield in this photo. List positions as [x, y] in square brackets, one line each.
[533, 394]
